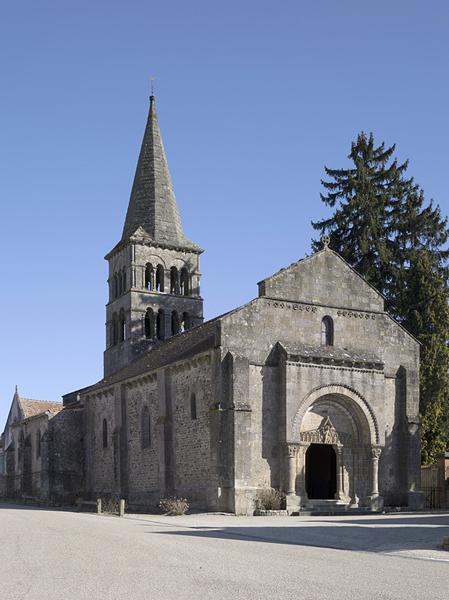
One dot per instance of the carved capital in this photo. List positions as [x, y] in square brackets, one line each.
[413, 425]
[375, 452]
[291, 450]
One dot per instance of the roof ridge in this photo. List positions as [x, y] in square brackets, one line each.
[37, 400]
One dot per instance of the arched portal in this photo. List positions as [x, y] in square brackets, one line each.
[337, 446]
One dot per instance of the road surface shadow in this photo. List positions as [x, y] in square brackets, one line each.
[357, 536]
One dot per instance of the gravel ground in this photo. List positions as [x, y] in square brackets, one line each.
[61, 555]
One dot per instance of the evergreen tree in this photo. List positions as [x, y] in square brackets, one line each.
[359, 227]
[382, 226]
[426, 315]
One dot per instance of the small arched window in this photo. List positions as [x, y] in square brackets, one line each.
[124, 280]
[122, 326]
[105, 433]
[193, 413]
[146, 428]
[174, 281]
[175, 324]
[160, 324]
[149, 277]
[327, 331]
[160, 278]
[185, 291]
[114, 335]
[38, 444]
[149, 324]
[115, 286]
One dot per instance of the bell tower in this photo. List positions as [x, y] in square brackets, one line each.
[154, 271]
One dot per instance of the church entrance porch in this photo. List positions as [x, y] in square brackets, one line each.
[321, 472]
[334, 454]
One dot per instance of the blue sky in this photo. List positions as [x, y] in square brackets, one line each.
[253, 98]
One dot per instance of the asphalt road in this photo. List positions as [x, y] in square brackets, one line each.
[58, 555]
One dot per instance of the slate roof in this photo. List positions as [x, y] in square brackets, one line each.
[330, 354]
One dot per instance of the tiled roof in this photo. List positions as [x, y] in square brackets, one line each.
[31, 408]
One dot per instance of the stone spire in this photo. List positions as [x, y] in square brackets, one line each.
[152, 205]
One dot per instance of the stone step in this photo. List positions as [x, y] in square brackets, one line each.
[332, 513]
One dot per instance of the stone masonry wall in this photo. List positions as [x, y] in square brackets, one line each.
[102, 475]
[264, 400]
[144, 468]
[191, 440]
[177, 461]
[323, 278]
[66, 455]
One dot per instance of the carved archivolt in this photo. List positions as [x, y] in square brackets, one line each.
[324, 434]
[345, 393]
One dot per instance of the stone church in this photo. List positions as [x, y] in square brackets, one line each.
[311, 387]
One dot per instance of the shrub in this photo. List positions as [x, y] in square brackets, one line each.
[270, 499]
[174, 506]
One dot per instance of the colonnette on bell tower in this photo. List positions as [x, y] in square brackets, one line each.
[154, 276]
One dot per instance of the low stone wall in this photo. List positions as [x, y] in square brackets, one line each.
[2, 486]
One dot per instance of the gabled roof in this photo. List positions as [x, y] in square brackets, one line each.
[318, 253]
[318, 279]
[152, 205]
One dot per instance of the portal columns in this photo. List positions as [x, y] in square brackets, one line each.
[375, 501]
[375, 454]
[301, 483]
[291, 458]
[291, 452]
[340, 493]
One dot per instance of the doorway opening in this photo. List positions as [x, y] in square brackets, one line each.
[321, 472]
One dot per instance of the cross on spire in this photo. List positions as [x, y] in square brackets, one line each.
[152, 80]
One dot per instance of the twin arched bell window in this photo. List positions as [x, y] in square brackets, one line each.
[179, 280]
[118, 328]
[119, 283]
[154, 323]
[327, 331]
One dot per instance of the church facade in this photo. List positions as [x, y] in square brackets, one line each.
[311, 388]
